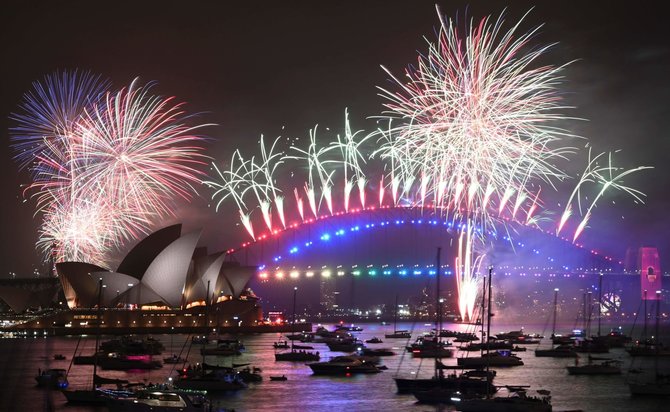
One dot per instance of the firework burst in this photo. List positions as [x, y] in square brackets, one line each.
[104, 166]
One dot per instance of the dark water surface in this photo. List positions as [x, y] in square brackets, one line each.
[20, 359]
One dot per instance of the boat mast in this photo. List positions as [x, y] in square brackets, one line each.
[657, 343]
[644, 328]
[295, 291]
[395, 315]
[553, 326]
[600, 301]
[481, 318]
[488, 329]
[438, 324]
[97, 335]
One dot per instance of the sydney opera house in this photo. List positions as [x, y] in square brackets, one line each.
[165, 282]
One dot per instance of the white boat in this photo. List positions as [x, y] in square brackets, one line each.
[157, 401]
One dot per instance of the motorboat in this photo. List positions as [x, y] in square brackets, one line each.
[607, 367]
[303, 347]
[493, 345]
[345, 345]
[560, 351]
[374, 340]
[52, 378]
[59, 357]
[398, 334]
[343, 365]
[297, 356]
[376, 352]
[516, 402]
[493, 359]
[215, 380]
[225, 347]
[158, 401]
[281, 344]
[173, 359]
[278, 378]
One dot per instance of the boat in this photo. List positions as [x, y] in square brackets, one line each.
[659, 385]
[304, 347]
[296, 355]
[200, 340]
[374, 340]
[343, 365]
[130, 345]
[562, 350]
[606, 367]
[345, 345]
[158, 401]
[497, 359]
[493, 345]
[376, 352]
[443, 386]
[278, 378]
[213, 380]
[280, 345]
[59, 357]
[174, 359]
[559, 351]
[397, 334]
[224, 347]
[518, 401]
[52, 378]
[115, 361]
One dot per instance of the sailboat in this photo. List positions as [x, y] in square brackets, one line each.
[563, 350]
[497, 358]
[296, 355]
[660, 384]
[397, 334]
[440, 387]
[517, 401]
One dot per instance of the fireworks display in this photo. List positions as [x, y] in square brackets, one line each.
[104, 165]
[473, 133]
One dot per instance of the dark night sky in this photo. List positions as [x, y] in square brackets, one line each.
[255, 68]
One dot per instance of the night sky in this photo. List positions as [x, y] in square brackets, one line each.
[256, 68]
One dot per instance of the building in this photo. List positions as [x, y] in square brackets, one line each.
[164, 282]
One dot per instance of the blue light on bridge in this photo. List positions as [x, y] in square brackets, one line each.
[372, 273]
[402, 272]
[325, 237]
[293, 250]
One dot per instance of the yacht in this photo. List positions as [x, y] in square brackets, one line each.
[494, 359]
[516, 402]
[343, 365]
[606, 367]
[158, 401]
[560, 351]
[215, 380]
[174, 359]
[451, 382]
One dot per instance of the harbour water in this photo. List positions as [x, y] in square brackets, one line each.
[20, 359]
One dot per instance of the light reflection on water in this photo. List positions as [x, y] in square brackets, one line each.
[21, 358]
